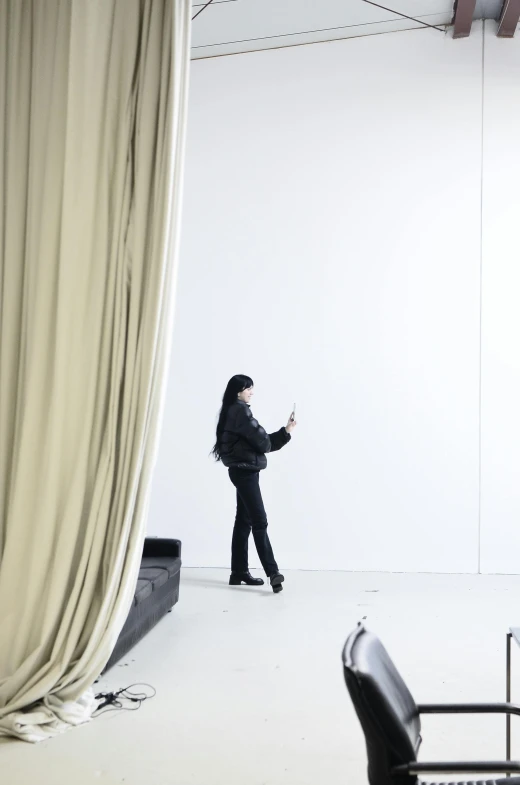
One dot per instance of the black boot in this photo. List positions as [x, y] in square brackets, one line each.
[238, 578]
[276, 582]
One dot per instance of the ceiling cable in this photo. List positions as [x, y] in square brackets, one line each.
[201, 10]
[404, 16]
[369, 2]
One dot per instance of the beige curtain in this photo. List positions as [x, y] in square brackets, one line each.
[92, 123]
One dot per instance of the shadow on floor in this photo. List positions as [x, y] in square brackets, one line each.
[223, 584]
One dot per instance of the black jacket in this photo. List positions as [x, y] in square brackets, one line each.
[244, 442]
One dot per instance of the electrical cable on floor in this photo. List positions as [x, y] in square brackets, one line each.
[119, 700]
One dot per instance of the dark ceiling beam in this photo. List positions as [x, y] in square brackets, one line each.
[463, 18]
[509, 18]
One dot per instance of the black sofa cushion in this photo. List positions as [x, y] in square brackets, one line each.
[143, 590]
[170, 564]
[156, 575]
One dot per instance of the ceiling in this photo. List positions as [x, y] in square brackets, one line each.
[232, 26]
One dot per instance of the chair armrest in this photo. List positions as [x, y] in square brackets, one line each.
[161, 546]
[470, 708]
[458, 767]
[463, 767]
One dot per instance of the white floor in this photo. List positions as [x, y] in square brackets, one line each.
[250, 688]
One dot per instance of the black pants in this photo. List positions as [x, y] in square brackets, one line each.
[250, 516]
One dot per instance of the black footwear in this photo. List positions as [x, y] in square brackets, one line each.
[237, 579]
[276, 582]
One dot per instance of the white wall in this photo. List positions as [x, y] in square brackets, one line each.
[331, 249]
[501, 309]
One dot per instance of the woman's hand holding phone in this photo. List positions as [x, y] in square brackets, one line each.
[291, 425]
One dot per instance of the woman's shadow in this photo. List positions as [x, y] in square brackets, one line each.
[208, 583]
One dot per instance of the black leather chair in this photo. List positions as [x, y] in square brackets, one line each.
[391, 720]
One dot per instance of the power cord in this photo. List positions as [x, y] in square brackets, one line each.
[117, 701]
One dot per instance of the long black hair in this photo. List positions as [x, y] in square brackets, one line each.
[236, 385]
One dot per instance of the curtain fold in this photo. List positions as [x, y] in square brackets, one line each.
[92, 125]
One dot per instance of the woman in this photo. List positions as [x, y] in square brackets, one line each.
[241, 446]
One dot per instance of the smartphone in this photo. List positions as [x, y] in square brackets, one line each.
[293, 415]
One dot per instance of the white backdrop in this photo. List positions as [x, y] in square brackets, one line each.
[331, 249]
